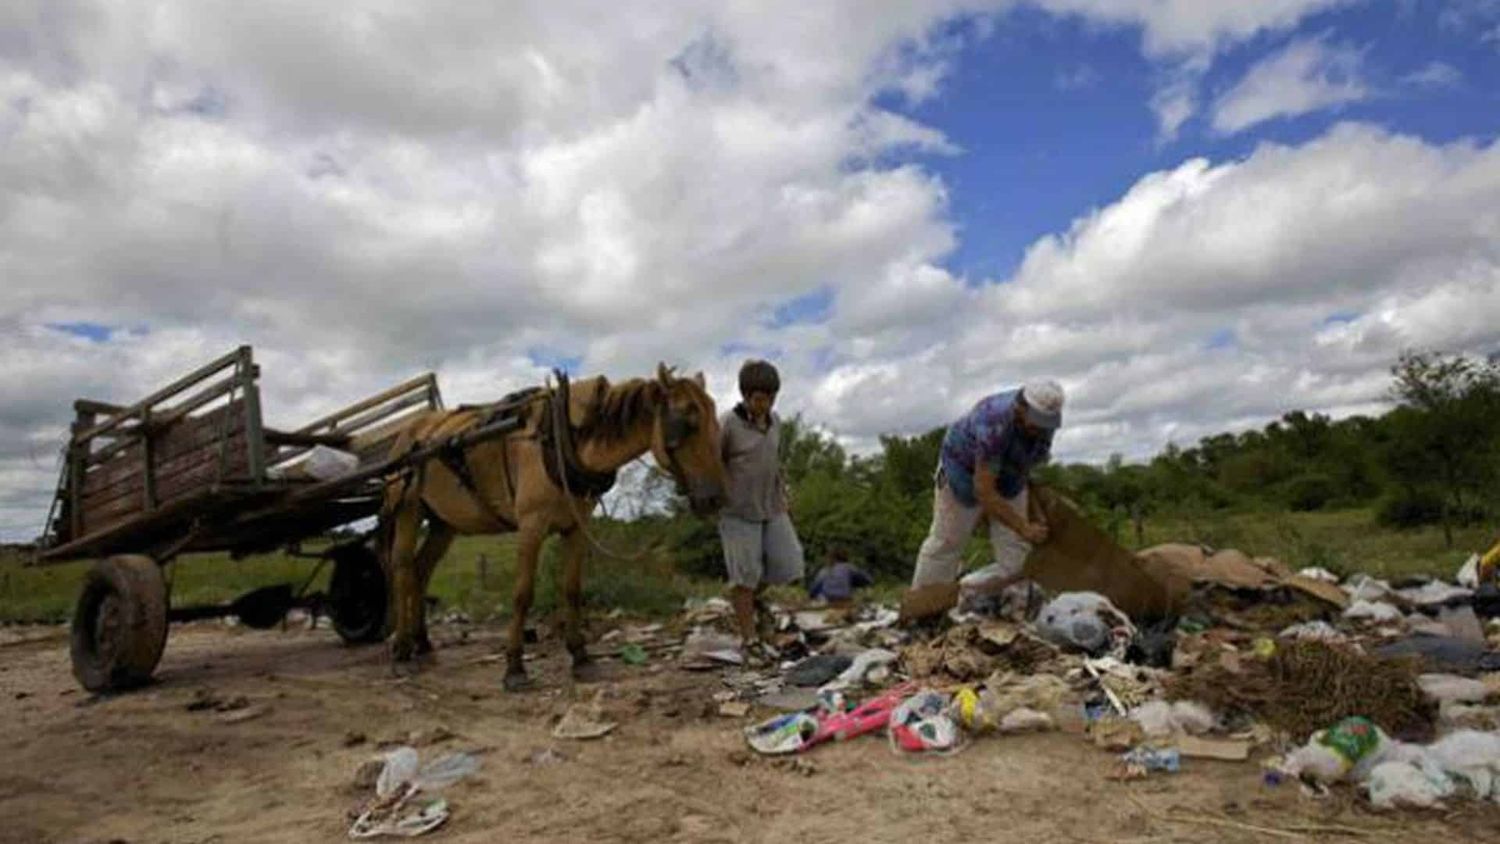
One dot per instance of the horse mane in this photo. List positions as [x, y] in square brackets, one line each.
[622, 408]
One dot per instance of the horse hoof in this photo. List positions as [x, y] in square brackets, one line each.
[516, 681]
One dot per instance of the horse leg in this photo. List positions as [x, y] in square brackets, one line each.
[439, 539]
[528, 548]
[574, 550]
[406, 592]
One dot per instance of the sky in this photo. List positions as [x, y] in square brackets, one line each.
[1195, 215]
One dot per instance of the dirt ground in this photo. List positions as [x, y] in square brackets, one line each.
[140, 767]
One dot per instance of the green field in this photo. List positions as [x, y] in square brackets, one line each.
[1344, 541]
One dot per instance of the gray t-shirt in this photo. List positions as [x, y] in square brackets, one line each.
[752, 457]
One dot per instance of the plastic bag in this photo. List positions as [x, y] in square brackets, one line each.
[1471, 756]
[1404, 785]
[1377, 611]
[1347, 750]
[782, 734]
[445, 771]
[400, 769]
[1450, 687]
[1159, 719]
[921, 723]
[1084, 620]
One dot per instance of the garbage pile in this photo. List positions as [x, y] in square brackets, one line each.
[1393, 687]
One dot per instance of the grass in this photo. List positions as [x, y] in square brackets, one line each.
[1343, 541]
[481, 590]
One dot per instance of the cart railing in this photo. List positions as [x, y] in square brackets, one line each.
[126, 461]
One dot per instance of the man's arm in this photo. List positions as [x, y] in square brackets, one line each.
[987, 490]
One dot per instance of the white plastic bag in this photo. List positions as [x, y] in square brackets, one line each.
[400, 769]
[1450, 687]
[1404, 785]
[1377, 611]
[1471, 756]
[1083, 620]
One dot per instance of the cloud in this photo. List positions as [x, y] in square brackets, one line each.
[1434, 74]
[1321, 261]
[366, 193]
[1185, 36]
[1305, 76]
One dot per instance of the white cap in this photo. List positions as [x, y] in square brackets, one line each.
[1044, 402]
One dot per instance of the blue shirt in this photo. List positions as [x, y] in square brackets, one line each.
[989, 433]
[838, 581]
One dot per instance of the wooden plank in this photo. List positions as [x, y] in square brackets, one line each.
[189, 435]
[168, 391]
[255, 443]
[195, 483]
[169, 473]
[162, 421]
[427, 383]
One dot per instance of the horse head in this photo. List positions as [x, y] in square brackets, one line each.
[685, 439]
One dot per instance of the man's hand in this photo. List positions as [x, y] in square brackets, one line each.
[1034, 532]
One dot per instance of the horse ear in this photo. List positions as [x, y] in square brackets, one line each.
[700, 381]
[664, 374]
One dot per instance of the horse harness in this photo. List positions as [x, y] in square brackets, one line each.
[557, 438]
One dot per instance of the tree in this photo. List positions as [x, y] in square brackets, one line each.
[1445, 430]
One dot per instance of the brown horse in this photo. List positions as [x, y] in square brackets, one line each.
[503, 485]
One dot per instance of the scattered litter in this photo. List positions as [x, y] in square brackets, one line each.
[1362, 587]
[1226, 750]
[1444, 653]
[782, 734]
[1318, 631]
[1142, 761]
[1402, 785]
[705, 650]
[239, 716]
[1436, 592]
[546, 756]
[1159, 719]
[818, 669]
[790, 700]
[633, 654]
[1316, 573]
[398, 819]
[1117, 734]
[1449, 687]
[1025, 720]
[865, 666]
[921, 724]
[1084, 620]
[1461, 622]
[1472, 757]
[584, 721]
[1376, 611]
[734, 709]
[1347, 750]
[400, 769]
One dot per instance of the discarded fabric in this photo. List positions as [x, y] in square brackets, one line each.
[1404, 785]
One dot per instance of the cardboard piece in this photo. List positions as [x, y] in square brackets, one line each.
[1225, 750]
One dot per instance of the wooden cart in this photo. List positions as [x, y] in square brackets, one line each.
[192, 468]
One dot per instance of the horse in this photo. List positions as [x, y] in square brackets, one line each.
[540, 480]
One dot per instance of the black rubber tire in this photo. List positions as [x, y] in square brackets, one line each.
[119, 624]
[357, 595]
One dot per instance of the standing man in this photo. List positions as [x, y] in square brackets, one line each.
[760, 543]
[985, 470]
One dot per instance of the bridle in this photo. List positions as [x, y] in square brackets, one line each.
[675, 431]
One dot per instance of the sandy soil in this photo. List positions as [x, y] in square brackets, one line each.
[140, 767]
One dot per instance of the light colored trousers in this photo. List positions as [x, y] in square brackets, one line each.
[941, 558]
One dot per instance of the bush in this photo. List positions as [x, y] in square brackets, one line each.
[1310, 492]
[1409, 508]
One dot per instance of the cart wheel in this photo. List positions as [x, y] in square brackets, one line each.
[119, 624]
[357, 595]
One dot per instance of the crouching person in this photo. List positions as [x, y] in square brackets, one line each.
[760, 544]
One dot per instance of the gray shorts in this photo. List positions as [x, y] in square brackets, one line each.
[757, 553]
